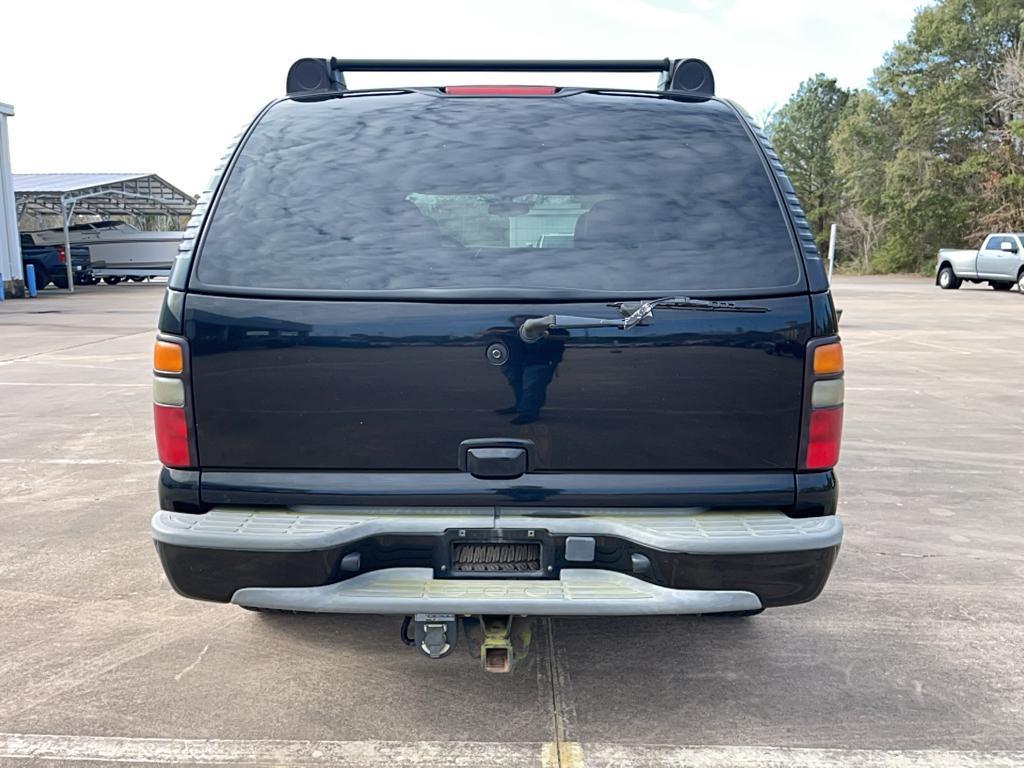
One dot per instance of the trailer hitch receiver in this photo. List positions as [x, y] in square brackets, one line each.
[499, 641]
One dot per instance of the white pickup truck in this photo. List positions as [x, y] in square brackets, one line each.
[1000, 263]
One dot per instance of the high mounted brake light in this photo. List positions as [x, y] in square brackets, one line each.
[170, 417]
[824, 420]
[500, 90]
[320, 77]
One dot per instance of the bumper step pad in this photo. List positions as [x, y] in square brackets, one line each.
[579, 592]
[711, 533]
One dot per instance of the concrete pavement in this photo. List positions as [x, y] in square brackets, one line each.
[914, 655]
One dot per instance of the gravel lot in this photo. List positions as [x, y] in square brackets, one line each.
[914, 655]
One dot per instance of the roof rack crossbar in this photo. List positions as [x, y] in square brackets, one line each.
[312, 77]
[501, 65]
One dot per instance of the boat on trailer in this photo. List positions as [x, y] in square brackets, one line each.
[118, 250]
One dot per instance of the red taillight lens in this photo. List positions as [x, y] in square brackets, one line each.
[824, 435]
[61, 256]
[171, 435]
[500, 90]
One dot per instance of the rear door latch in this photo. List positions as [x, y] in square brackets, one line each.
[497, 458]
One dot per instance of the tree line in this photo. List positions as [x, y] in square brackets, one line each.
[929, 155]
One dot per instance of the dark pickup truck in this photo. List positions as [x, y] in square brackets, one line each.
[50, 263]
[377, 391]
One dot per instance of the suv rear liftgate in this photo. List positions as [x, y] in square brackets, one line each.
[471, 353]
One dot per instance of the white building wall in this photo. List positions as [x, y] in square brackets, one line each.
[10, 248]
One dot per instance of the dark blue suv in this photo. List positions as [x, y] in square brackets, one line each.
[498, 351]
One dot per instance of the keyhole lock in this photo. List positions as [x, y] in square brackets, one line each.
[497, 354]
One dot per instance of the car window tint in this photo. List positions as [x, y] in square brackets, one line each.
[601, 192]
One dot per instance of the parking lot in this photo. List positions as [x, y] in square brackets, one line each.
[914, 654]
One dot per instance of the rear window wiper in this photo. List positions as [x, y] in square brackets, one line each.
[633, 314]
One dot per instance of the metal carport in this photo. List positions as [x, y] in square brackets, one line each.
[108, 195]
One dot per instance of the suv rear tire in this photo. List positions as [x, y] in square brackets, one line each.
[948, 280]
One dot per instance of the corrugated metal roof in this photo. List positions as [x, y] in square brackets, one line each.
[68, 182]
[108, 195]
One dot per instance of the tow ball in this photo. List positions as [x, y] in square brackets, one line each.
[500, 642]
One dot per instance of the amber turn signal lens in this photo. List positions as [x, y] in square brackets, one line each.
[828, 358]
[167, 357]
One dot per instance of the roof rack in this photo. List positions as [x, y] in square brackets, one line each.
[310, 77]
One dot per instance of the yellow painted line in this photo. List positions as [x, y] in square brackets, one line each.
[566, 754]
[570, 755]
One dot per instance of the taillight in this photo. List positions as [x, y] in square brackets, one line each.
[61, 256]
[171, 436]
[825, 418]
[170, 419]
[823, 437]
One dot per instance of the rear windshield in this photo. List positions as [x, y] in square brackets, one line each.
[587, 192]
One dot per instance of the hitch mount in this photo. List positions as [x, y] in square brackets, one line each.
[500, 642]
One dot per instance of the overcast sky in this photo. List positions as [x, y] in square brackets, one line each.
[163, 87]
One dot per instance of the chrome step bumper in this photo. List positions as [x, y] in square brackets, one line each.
[578, 592]
[671, 530]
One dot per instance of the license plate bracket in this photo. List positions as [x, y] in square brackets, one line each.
[496, 557]
[490, 554]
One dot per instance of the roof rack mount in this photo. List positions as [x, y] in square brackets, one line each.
[325, 76]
